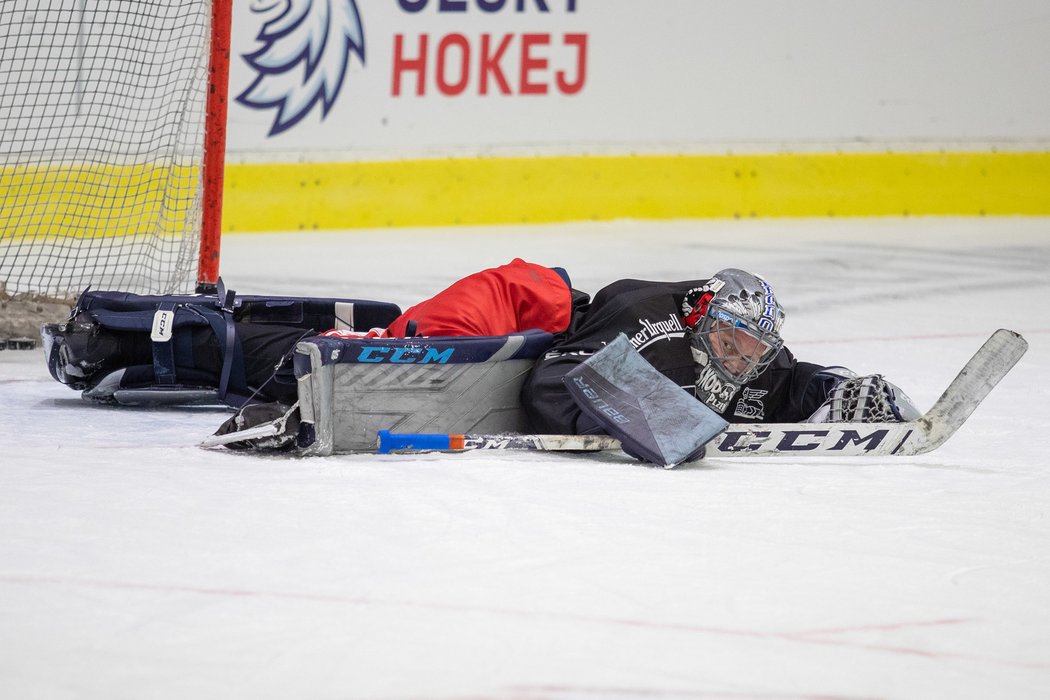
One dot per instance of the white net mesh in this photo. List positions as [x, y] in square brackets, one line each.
[102, 108]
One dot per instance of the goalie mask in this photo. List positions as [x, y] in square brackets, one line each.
[734, 322]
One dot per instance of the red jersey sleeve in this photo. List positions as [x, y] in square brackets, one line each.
[515, 297]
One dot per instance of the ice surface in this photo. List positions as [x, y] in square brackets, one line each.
[136, 565]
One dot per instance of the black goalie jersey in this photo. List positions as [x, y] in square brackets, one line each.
[650, 314]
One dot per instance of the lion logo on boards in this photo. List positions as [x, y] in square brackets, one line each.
[305, 54]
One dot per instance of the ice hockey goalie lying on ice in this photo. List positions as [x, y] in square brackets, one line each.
[718, 338]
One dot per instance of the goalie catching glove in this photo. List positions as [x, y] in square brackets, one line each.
[867, 399]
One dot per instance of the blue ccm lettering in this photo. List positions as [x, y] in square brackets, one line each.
[483, 5]
[405, 355]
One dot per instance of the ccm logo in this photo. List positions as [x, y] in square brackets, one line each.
[801, 440]
[405, 355]
[162, 324]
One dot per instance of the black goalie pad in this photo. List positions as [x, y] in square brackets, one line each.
[218, 348]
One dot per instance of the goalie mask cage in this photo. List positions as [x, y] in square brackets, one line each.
[112, 143]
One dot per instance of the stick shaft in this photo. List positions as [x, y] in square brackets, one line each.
[443, 442]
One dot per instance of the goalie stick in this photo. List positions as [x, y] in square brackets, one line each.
[974, 382]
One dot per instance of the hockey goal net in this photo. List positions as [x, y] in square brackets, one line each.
[110, 147]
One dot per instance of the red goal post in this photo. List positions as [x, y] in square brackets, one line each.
[215, 145]
[113, 124]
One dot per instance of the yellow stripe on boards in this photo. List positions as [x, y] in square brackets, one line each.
[89, 200]
[97, 201]
[311, 196]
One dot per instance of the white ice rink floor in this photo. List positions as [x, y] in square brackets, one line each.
[136, 565]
